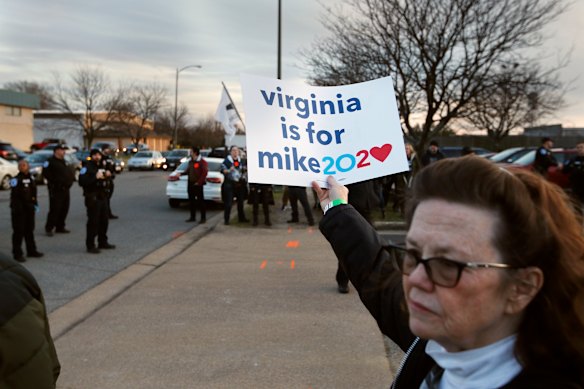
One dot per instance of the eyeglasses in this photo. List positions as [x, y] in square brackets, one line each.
[441, 271]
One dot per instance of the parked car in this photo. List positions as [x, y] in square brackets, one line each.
[176, 185]
[37, 159]
[146, 160]
[8, 152]
[8, 170]
[133, 148]
[41, 145]
[175, 158]
[555, 175]
[510, 155]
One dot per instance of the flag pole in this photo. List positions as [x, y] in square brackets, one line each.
[234, 107]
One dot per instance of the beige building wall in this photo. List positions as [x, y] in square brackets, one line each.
[16, 129]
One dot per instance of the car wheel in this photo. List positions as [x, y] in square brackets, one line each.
[174, 203]
[5, 183]
[130, 169]
[152, 167]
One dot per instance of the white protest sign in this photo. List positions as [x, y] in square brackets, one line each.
[298, 133]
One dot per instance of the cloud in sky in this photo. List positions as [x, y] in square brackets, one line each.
[147, 40]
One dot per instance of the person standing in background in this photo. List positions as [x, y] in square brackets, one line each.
[109, 165]
[59, 180]
[197, 177]
[93, 179]
[234, 185]
[23, 206]
[544, 158]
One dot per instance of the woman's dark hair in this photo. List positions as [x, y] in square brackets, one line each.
[538, 227]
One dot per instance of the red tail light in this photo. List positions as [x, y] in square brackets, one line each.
[174, 177]
[214, 180]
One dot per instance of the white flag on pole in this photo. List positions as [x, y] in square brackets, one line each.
[226, 114]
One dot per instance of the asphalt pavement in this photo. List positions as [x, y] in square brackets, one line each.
[224, 307]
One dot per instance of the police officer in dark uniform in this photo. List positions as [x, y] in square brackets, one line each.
[544, 157]
[575, 167]
[94, 180]
[197, 177]
[261, 194]
[23, 205]
[59, 177]
[109, 164]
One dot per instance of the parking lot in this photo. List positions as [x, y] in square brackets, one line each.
[146, 222]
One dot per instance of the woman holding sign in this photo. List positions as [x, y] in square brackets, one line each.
[488, 289]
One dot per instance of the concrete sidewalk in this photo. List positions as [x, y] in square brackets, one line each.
[223, 307]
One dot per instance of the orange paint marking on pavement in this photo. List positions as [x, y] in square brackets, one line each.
[293, 244]
[176, 234]
[263, 265]
[292, 264]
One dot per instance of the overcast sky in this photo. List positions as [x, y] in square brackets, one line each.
[146, 40]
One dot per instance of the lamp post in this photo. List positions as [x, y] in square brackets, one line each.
[175, 132]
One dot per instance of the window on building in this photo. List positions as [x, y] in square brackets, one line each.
[13, 111]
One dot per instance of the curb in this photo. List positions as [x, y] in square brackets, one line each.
[66, 317]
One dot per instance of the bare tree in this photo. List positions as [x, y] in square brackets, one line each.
[139, 110]
[206, 133]
[441, 53]
[33, 88]
[89, 99]
[517, 96]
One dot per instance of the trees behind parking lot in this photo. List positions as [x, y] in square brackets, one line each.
[89, 99]
[443, 55]
[138, 110]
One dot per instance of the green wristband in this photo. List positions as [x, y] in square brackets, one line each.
[333, 203]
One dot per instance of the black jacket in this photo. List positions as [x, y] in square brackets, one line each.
[575, 166]
[27, 354]
[89, 181]
[359, 248]
[23, 194]
[58, 174]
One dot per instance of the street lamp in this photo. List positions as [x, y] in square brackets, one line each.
[175, 132]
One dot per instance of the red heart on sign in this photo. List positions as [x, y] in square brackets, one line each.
[381, 153]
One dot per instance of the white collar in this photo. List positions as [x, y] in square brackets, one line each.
[487, 367]
[230, 158]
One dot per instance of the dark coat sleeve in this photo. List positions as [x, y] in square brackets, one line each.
[359, 249]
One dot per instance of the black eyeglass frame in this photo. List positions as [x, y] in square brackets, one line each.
[460, 265]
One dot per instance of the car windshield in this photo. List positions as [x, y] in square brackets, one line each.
[143, 154]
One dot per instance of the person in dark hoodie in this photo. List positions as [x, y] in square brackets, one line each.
[28, 358]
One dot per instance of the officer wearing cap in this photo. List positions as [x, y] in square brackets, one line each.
[23, 205]
[544, 158]
[109, 164]
[59, 179]
[93, 178]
